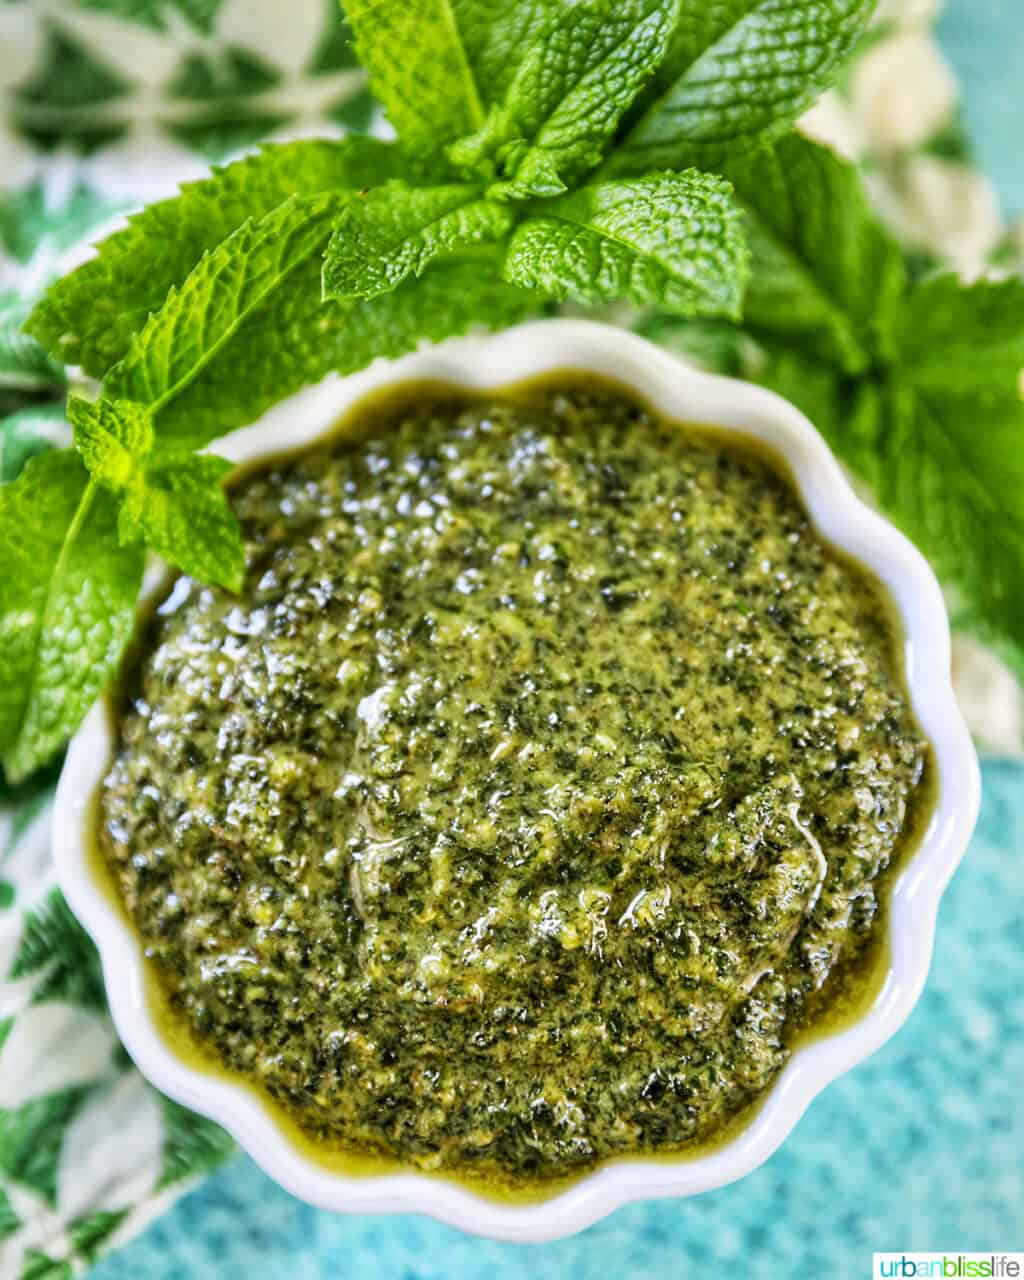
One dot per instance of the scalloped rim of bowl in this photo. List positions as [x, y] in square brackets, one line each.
[677, 392]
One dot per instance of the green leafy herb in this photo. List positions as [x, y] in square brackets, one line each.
[960, 341]
[422, 57]
[295, 339]
[67, 600]
[113, 438]
[534, 139]
[179, 506]
[25, 367]
[948, 469]
[827, 276]
[90, 316]
[182, 512]
[674, 240]
[228, 284]
[397, 231]
[437, 64]
[29, 431]
[575, 81]
[737, 73]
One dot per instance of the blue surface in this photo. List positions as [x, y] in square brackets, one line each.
[921, 1148]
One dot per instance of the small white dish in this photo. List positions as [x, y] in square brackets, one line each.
[676, 392]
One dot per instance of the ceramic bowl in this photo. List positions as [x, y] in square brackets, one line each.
[678, 392]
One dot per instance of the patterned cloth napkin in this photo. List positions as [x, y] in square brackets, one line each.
[105, 104]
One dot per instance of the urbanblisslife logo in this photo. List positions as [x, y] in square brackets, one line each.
[949, 1266]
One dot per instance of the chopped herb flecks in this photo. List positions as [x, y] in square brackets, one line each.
[544, 769]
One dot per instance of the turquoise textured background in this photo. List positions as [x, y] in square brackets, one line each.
[921, 1148]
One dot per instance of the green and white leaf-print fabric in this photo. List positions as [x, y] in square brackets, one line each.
[88, 1151]
[107, 104]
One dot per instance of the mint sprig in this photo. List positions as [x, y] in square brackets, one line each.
[176, 504]
[397, 231]
[67, 604]
[435, 64]
[574, 83]
[828, 277]
[295, 339]
[545, 151]
[90, 317]
[737, 74]
[227, 285]
[674, 240]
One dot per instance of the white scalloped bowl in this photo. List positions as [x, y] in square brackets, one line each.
[676, 392]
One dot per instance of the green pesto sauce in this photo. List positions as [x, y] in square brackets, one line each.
[532, 799]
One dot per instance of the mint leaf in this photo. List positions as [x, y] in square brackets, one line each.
[295, 339]
[712, 344]
[948, 469]
[437, 64]
[936, 429]
[674, 241]
[915, 387]
[955, 482]
[227, 285]
[90, 316]
[67, 600]
[821, 392]
[495, 34]
[182, 512]
[575, 81]
[951, 466]
[451, 298]
[826, 276]
[177, 504]
[112, 437]
[419, 57]
[397, 231]
[738, 72]
[957, 339]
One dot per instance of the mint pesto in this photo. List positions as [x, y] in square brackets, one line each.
[533, 794]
